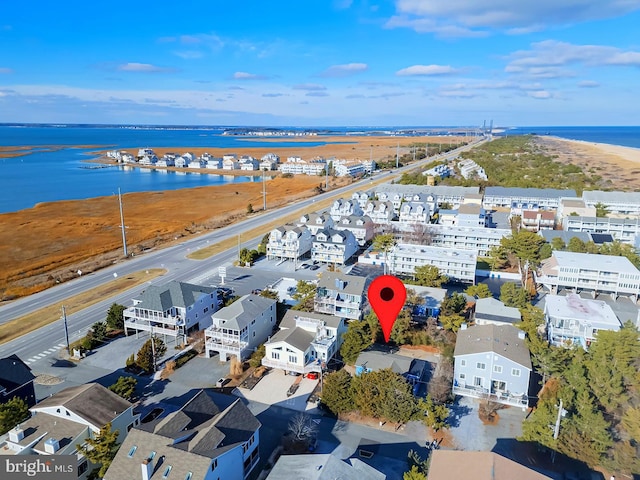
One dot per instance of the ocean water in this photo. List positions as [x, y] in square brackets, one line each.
[46, 176]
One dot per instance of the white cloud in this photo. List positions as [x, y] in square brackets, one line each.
[588, 84]
[427, 70]
[5, 70]
[311, 87]
[316, 94]
[342, 4]
[539, 94]
[248, 76]
[471, 17]
[344, 70]
[188, 54]
[142, 67]
[546, 59]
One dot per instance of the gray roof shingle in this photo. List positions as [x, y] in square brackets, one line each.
[241, 312]
[161, 298]
[351, 284]
[502, 340]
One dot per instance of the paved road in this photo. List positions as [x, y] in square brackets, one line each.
[45, 342]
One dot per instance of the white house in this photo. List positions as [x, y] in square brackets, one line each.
[172, 310]
[316, 221]
[66, 419]
[344, 168]
[360, 226]
[214, 163]
[575, 320]
[305, 342]
[492, 362]
[380, 213]
[493, 311]
[203, 440]
[344, 208]
[458, 265]
[415, 212]
[289, 242]
[361, 197]
[239, 328]
[340, 295]
[333, 246]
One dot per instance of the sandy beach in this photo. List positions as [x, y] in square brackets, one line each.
[619, 165]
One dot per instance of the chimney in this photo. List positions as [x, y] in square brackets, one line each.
[521, 334]
[147, 468]
[16, 434]
[51, 446]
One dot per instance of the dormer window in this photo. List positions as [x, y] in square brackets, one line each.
[132, 451]
[167, 471]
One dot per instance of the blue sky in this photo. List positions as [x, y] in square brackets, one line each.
[315, 63]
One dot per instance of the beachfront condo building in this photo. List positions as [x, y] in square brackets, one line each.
[458, 265]
[289, 242]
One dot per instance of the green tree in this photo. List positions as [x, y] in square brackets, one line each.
[355, 339]
[525, 246]
[256, 357]
[546, 251]
[557, 243]
[413, 298]
[481, 290]
[384, 394]
[102, 449]
[417, 464]
[433, 415]
[576, 245]
[384, 243]
[451, 322]
[601, 210]
[150, 353]
[99, 331]
[375, 329]
[513, 296]
[272, 294]
[414, 474]
[429, 276]
[115, 317]
[337, 394]
[304, 295]
[125, 387]
[455, 303]
[400, 333]
[12, 413]
[247, 257]
[498, 257]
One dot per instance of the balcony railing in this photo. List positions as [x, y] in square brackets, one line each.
[311, 366]
[145, 327]
[484, 394]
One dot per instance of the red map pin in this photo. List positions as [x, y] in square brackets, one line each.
[386, 296]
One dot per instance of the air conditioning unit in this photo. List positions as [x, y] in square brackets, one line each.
[16, 434]
[51, 445]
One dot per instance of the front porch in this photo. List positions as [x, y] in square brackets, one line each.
[505, 398]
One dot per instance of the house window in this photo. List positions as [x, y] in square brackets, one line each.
[477, 381]
[275, 355]
[481, 365]
[214, 464]
[293, 359]
[515, 372]
[462, 376]
[497, 368]
[82, 468]
[463, 363]
[167, 471]
[132, 451]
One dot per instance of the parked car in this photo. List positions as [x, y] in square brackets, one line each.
[314, 267]
[312, 375]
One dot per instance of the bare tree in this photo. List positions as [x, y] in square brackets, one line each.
[302, 427]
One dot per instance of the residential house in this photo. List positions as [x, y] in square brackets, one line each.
[145, 151]
[305, 342]
[316, 221]
[172, 310]
[575, 207]
[325, 466]
[470, 169]
[214, 163]
[16, 380]
[247, 162]
[492, 362]
[340, 295]
[458, 265]
[573, 320]
[417, 372]
[230, 162]
[361, 197]
[380, 213]
[148, 160]
[441, 171]
[66, 419]
[241, 327]
[344, 168]
[536, 220]
[432, 299]
[360, 226]
[289, 242]
[167, 160]
[333, 246]
[493, 311]
[471, 215]
[464, 465]
[519, 199]
[344, 208]
[298, 166]
[618, 204]
[415, 213]
[589, 272]
[203, 440]
[196, 163]
[477, 239]
[626, 230]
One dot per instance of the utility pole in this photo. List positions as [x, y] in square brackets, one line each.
[397, 154]
[556, 431]
[238, 249]
[66, 329]
[264, 192]
[124, 237]
[326, 175]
